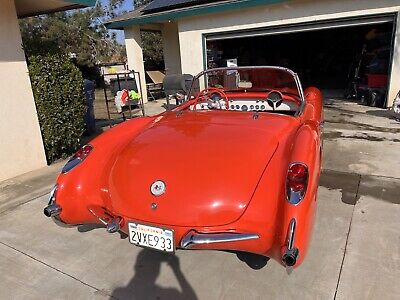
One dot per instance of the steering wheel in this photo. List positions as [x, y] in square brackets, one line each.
[206, 94]
[274, 99]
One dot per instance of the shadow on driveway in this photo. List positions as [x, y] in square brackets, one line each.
[254, 261]
[146, 270]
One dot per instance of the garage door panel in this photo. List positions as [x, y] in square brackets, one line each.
[320, 25]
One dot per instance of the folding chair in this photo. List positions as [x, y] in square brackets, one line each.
[156, 86]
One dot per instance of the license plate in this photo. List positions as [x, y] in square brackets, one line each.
[151, 237]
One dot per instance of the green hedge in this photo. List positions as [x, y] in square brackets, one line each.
[60, 102]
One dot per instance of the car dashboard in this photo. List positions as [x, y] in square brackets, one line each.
[253, 103]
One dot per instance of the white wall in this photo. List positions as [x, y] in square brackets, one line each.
[21, 146]
[172, 55]
[292, 12]
[191, 48]
[394, 85]
[133, 44]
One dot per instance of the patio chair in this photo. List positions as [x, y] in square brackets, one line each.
[156, 86]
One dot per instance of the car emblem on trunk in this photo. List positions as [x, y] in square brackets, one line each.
[157, 188]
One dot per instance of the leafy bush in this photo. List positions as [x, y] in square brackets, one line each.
[60, 102]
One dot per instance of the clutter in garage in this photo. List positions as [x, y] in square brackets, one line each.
[352, 60]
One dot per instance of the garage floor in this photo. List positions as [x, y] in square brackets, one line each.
[355, 251]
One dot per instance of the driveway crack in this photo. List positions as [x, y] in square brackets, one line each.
[347, 238]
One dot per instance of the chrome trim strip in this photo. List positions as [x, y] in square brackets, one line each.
[291, 234]
[102, 220]
[193, 238]
[52, 195]
[291, 253]
[301, 93]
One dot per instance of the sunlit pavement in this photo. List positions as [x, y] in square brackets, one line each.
[354, 254]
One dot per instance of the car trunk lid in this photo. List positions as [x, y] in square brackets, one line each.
[210, 164]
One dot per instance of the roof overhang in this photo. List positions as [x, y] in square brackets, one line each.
[28, 8]
[120, 23]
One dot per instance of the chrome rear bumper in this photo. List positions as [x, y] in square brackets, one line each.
[193, 238]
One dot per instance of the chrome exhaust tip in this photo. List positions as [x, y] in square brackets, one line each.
[290, 257]
[114, 225]
[52, 210]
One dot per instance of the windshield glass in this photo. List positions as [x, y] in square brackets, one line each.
[248, 79]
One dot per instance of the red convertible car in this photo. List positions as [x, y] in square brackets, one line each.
[235, 167]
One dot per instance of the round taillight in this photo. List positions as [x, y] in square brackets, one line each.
[78, 157]
[297, 176]
[296, 182]
[83, 152]
[86, 149]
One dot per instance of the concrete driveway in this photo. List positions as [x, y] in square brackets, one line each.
[354, 254]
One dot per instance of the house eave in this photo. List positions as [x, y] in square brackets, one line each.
[190, 12]
[69, 4]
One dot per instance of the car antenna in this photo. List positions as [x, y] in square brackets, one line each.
[179, 113]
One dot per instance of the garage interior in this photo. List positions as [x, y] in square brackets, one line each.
[350, 59]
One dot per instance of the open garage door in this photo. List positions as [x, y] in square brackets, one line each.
[301, 27]
[349, 56]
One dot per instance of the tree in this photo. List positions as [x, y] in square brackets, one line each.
[139, 3]
[151, 43]
[80, 33]
[152, 50]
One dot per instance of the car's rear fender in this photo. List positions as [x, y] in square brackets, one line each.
[306, 150]
[269, 210]
[264, 210]
[314, 105]
[85, 187]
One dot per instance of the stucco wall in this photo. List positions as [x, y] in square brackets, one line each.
[172, 55]
[21, 147]
[133, 44]
[292, 12]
